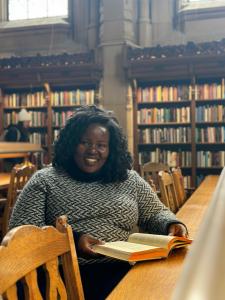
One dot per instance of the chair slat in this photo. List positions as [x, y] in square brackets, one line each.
[168, 192]
[55, 284]
[11, 293]
[179, 185]
[31, 288]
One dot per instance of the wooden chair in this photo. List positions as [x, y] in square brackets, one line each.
[179, 185]
[149, 171]
[28, 247]
[168, 191]
[20, 174]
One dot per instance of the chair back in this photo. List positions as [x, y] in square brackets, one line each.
[149, 171]
[179, 185]
[20, 174]
[28, 247]
[167, 190]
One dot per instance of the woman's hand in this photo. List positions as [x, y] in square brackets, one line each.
[85, 245]
[178, 230]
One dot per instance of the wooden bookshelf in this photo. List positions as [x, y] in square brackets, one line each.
[48, 87]
[166, 120]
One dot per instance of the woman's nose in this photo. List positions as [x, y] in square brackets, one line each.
[92, 148]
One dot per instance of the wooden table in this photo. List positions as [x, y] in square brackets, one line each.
[4, 180]
[155, 280]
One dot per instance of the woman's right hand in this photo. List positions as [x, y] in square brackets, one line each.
[85, 246]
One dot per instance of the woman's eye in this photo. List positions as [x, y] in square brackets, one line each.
[101, 146]
[85, 143]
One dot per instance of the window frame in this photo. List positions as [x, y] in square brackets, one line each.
[45, 21]
[199, 10]
[44, 17]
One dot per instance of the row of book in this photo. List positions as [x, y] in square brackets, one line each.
[210, 113]
[24, 100]
[164, 135]
[181, 92]
[210, 135]
[182, 158]
[187, 181]
[60, 118]
[57, 98]
[163, 115]
[163, 93]
[213, 90]
[38, 138]
[210, 158]
[77, 97]
[38, 119]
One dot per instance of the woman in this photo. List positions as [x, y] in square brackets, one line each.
[91, 181]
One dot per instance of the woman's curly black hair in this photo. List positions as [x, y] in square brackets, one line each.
[119, 159]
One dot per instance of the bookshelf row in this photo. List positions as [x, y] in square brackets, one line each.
[210, 135]
[164, 135]
[210, 113]
[205, 159]
[160, 115]
[39, 119]
[57, 98]
[181, 92]
[181, 135]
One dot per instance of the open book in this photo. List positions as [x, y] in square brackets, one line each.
[142, 246]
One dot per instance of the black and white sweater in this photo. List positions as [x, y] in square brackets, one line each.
[106, 211]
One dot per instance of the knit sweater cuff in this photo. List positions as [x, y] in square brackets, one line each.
[174, 222]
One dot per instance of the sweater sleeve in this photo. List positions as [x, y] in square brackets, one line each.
[154, 216]
[30, 205]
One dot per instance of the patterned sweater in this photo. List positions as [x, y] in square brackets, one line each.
[106, 211]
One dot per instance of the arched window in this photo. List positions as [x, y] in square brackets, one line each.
[31, 9]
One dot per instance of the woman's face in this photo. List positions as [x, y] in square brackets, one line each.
[93, 149]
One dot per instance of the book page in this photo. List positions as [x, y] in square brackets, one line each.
[162, 241]
[150, 239]
[125, 247]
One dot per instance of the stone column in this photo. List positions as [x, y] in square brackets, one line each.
[116, 30]
[145, 26]
[3, 10]
[92, 24]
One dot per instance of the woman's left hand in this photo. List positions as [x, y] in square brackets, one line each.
[178, 230]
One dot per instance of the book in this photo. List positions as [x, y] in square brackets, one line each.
[142, 246]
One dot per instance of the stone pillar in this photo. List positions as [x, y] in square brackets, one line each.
[79, 21]
[92, 24]
[116, 30]
[145, 26]
[3, 10]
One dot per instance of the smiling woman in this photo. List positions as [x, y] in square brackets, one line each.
[92, 182]
[30, 9]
